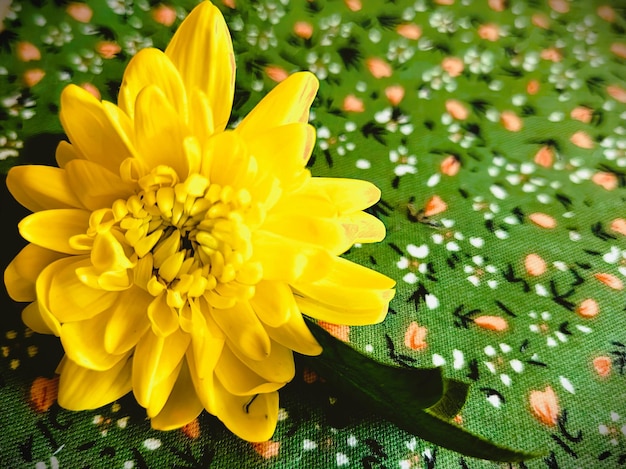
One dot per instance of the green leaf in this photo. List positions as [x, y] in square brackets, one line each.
[418, 400]
[383, 384]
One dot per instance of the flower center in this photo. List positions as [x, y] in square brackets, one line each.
[184, 239]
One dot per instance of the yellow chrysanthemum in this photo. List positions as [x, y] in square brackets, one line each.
[175, 258]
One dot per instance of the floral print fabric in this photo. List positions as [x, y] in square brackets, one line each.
[495, 130]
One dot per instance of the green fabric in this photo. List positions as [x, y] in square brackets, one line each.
[557, 66]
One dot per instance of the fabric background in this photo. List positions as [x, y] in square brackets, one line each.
[495, 129]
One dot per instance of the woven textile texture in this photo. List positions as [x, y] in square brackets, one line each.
[496, 132]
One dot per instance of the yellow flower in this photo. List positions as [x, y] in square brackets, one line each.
[175, 258]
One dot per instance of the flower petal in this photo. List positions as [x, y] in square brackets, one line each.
[61, 292]
[362, 227]
[288, 102]
[154, 359]
[252, 418]
[83, 343]
[128, 321]
[240, 380]
[159, 131]
[227, 161]
[283, 152]
[82, 389]
[40, 320]
[299, 261]
[163, 318]
[21, 274]
[152, 67]
[273, 303]
[182, 406]
[243, 329]
[278, 367]
[96, 186]
[340, 315]
[202, 51]
[97, 134]
[347, 195]
[161, 391]
[65, 153]
[39, 187]
[52, 229]
[296, 336]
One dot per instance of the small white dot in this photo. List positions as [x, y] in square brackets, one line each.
[152, 443]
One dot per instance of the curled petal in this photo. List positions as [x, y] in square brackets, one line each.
[295, 335]
[155, 358]
[252, 418]
[202, 51]
[159, 131]
[100, 134]
[65, 153]
[96, 186]
[21, 274]
[288, 102]
[40, 320]
[60, 292]
[273, 303]
[83, 343]
[39, 187]
[278, 367]
[52, 229]
[82, 389]
[183, 404]
[127, 321]
[240, 380]
[244, 330]
[152, 67]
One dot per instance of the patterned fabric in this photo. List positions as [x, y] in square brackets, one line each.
[495, 129]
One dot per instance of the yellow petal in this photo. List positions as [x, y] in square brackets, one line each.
[244, 330]
[295, 335]
[298, 261]
[273, 302]
[227, 161]
[240, 380]
[284, 151]
[82, 389]
[341, 315]
[21, 274]
[252, 418]
[182, 406]
[154, 359]
[107, 253]
[323, 232]
[203, 386]
[83, 342]
[361, 227]
[96, 186]
[159, 131]
[98, 135]
[152, 67]
[288, 102]
[40, 320]
[348, 286]
[61, 292]
[39, 187]
[347, 195]
[52, 229]
[161, 392]
[201, 120]
[163, 318]
[202, 51]
[278, 367]
[65, 153]
[128, 321]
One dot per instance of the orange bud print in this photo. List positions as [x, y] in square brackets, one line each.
[339, 331]
[560, 6]
[415, 337]
[303, 29]
[27, 51]
[409, 31]
[450, 166]
[491, 323]
[545, 406]
[353, 5]
[497, 5]
[92, 89]
[533, 87]
[619, 226]
[192, 429]
[542, 220]
[80, 12]
[582, 139]
[453, 66]
[394, 94]
[605, 180]
[164, 14]
[619, 49]
[108, 49]
[534, 265]
[588, 308]
[582, 114]
[43, 393]
[267, 449]
[610, 281]
[606, 13]
[541, 21]
[33, 76]
[489, 32]
[456, 109]
[434, 206]
[511, 121]
[617, 93]
[545, 157]
[276, 73]
[603, 366]
[378, 67]
[353, 104]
